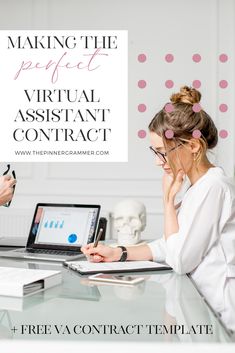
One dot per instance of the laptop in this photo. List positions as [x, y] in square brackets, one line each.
[58, 232]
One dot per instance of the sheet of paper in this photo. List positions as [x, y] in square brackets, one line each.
[21, 276]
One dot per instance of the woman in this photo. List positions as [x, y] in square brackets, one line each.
[198, 236]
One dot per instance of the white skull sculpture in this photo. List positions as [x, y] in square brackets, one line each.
[129, 221]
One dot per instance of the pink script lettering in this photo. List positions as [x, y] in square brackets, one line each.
[89, 65]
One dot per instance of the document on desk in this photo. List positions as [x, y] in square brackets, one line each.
[19, 282]
[86, 267]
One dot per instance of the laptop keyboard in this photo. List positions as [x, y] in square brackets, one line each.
[51, 252]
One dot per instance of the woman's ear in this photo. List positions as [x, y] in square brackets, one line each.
[194, 145]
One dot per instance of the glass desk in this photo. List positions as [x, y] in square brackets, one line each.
[166, 307]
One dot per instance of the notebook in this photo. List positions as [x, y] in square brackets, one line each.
[58, 232]
[19, 282]
[86, 267]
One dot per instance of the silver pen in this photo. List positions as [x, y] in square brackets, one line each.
[98, 237]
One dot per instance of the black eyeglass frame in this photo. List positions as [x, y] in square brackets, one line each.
[163, 156]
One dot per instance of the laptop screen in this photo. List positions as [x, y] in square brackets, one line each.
[63, 226]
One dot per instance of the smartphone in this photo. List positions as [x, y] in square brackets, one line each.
[119, 279]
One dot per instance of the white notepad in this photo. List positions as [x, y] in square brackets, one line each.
[19, 282]
[86, 267]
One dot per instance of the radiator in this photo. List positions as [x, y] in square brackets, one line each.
[15, 222]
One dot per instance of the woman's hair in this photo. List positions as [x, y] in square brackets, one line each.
[182, 117]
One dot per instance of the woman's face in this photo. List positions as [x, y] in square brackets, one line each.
[181, 157]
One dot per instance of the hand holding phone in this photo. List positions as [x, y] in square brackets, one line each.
[7, 187]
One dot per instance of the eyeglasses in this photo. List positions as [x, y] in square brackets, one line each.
[162, 156]
[13, 187]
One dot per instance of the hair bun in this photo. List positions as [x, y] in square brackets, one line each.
[186, 95]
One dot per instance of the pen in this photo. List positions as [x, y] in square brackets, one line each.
[98, 237]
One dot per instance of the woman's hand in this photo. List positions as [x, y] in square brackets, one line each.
[171, 186]
[101, 253]
[6, 188]
[170, 189]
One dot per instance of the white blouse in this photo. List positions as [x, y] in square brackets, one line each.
[205, 242]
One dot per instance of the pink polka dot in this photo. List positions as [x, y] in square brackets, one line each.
[169, 134]
[169, 58]
[223, 84]
[223, 134]
[142, 58]
[197, 134]
[223, 108]
[196, 58]
[169, 107]
[141, 134]
[196, 107]
[142, 83]
[196, 84]
[223, 58]
[142, 108]
[169, 84]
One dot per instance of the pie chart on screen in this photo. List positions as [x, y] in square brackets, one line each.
[72, 238]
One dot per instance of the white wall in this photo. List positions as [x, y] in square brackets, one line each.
[156, 27]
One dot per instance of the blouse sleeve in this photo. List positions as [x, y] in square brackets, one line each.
[201, 220]
[158, 249]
